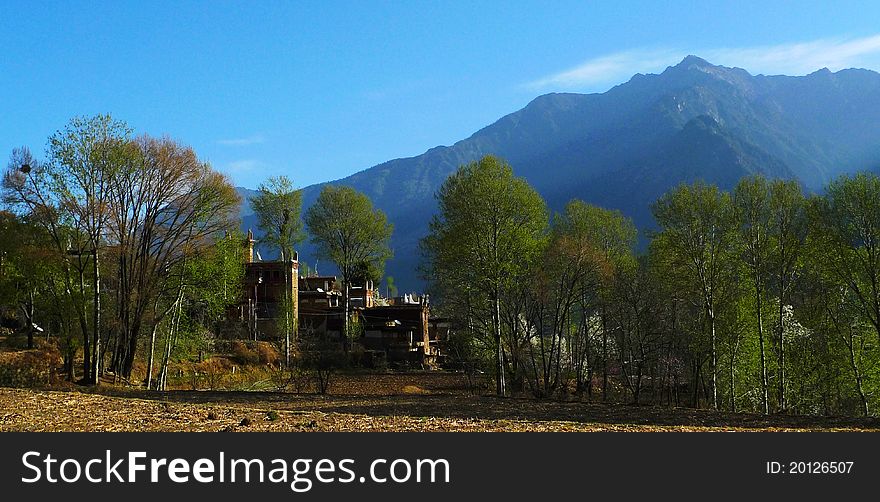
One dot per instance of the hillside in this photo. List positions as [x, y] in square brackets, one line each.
[623, 148]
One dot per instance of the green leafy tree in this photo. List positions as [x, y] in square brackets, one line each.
[695, 234]
[596, 244]
[213, 277]
[789, 227]
[69, 195]
[489, 228]
[391, 288]
[751, 200]
[352, 234]
[277, 206]
[847, 221]
[28, 263]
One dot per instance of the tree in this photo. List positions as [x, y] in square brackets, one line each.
[277, 206]
[598, 244]
[124, 210]
[695, 233]
[86, 157]
[349, 232]
[847, 220]
[210, 280]
[634, 307]
[166, 206]
[27, 265]
[751, 201]
[789, 226]
[68, 195]
[390, 288]
[489, 228]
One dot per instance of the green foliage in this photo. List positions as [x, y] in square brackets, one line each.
[128, 213]
[391, 288]
[278, 206]
[215, 277]
[490, 226]
[349, 231]
[696, 222]
[608, 235]
[847, 233]
[755, 300]
[365, 271]
[490, 229]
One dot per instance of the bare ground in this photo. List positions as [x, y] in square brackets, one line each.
[434, 405]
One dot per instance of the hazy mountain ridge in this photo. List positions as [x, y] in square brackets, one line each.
[625, 147]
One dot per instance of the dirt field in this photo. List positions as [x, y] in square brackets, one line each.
[431, 403]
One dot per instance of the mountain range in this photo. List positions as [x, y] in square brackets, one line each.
[624, 148]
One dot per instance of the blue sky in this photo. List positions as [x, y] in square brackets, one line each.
[320, 90]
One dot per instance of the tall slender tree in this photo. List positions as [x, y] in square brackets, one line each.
[751, 200]
[603, 243]
[352, 234]
[789, 226]
[278, 205]
[489, 227]
[695, 233]
[69, 195]
[166, 206]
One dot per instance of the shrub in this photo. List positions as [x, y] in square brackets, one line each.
[296, 378]
[210, 372]
[267, 354]
[30, 368]
[243, 354]
[250, 352]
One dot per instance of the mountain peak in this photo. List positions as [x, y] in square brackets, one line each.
[694, 61]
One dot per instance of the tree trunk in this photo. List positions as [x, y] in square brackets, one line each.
[287, 307]
[162, 379]
[87, 342]
[732, 384]
[781, 341]
[345, 327]
[96, 319]
[148, 380]
[29, 318]
[604, 356]
[765, 398]
[714, 359]
[500, 386]
[858, 375]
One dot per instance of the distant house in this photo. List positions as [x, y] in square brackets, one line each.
[268, 286]
[400, 328]
[321, 309]
[401, 331]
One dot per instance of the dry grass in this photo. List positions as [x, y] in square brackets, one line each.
[33, 410]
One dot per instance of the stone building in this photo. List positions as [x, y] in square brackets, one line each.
[400, 328]
[271, 289]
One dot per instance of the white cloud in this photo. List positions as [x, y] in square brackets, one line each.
[790, 59]
[246, 141]
[605, 69]
[801, 58]
[243, 166]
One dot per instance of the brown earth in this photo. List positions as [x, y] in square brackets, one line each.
[401, 402]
